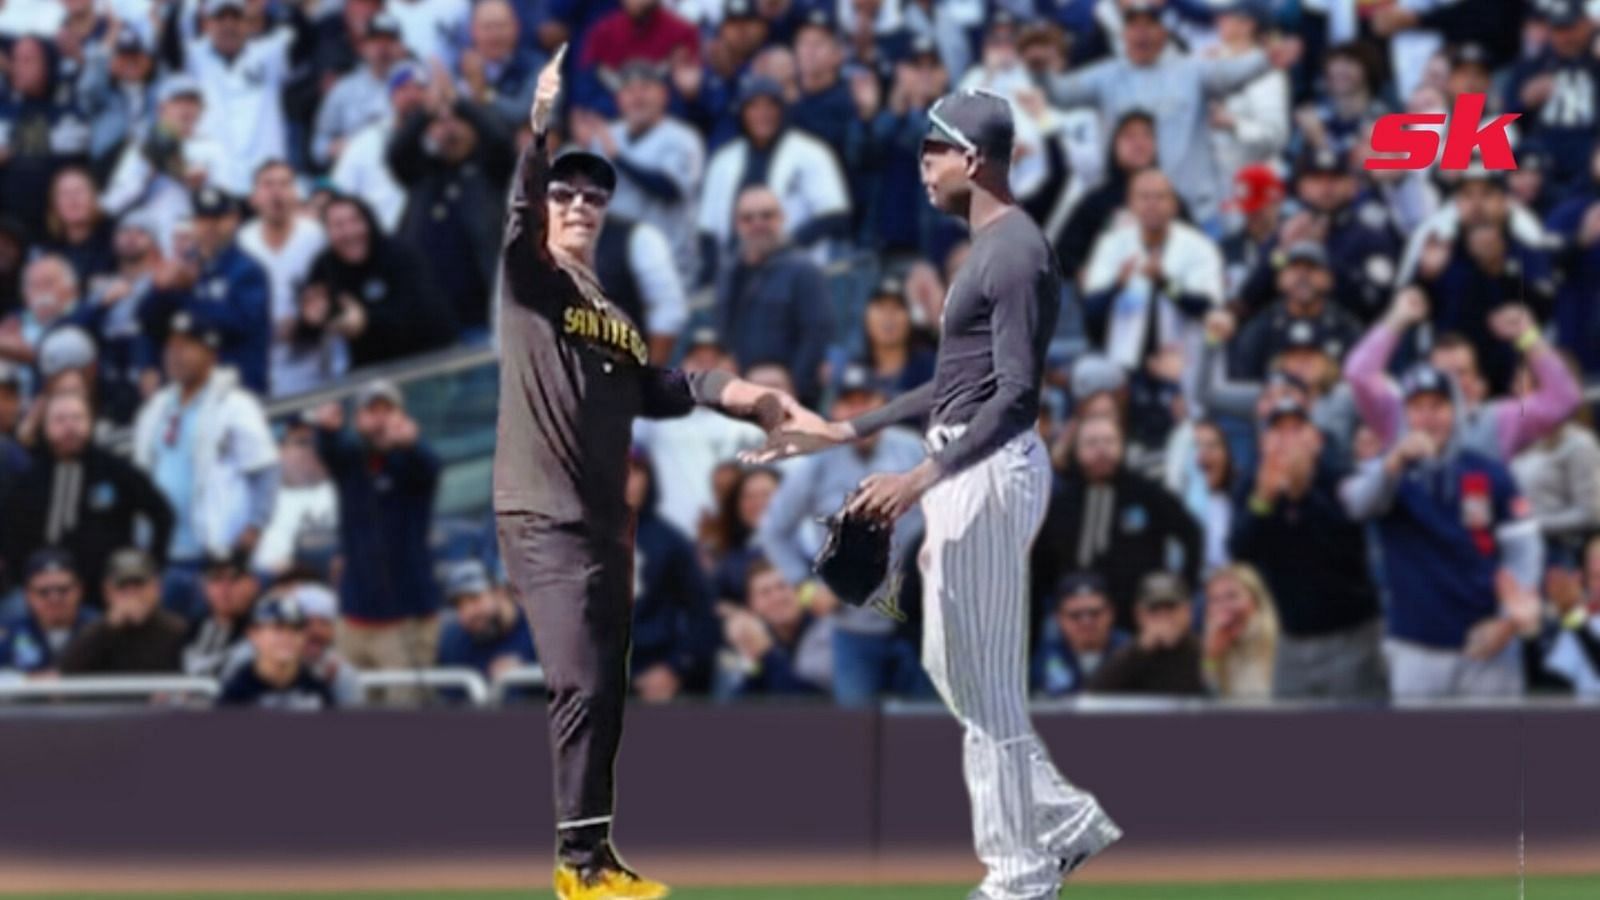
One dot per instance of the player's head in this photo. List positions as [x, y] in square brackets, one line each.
[575, 201]
[968, 148]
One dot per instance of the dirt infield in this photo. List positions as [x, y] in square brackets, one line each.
[1130, 865]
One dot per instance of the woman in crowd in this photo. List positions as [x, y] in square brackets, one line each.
[897, 362]
[733, 545]
[1560, 474]
[76, 228]
[1200, 470]
[1241, 634]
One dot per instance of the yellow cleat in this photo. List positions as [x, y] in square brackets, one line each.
[606, 884]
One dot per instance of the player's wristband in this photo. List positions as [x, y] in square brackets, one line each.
[1529, 338]
[1261, 506]
[1575, 619]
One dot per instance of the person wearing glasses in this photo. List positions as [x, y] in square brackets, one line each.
[574, 373]
[31, 643]
[1078, 638]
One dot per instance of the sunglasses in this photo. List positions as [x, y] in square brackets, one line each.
[51, 591]
[565, 195]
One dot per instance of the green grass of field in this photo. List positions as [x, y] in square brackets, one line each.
[1463, 889]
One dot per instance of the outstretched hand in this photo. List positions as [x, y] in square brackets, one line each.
[547, 90]
[793, 430]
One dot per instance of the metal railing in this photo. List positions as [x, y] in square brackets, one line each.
[521, 677]
[467, 681]
[79, 687]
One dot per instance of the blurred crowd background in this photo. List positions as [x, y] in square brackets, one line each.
[1319, 432]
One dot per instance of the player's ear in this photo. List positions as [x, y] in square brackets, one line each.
[973, 162]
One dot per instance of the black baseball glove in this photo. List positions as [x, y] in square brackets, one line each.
[855, 561]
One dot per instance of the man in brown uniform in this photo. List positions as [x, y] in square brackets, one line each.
[574, 374]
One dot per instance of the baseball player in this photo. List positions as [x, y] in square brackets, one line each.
[983, 489]
[574, 372]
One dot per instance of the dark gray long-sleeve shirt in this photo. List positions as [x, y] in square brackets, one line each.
[998, 318]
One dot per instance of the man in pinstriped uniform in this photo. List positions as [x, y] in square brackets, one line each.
[983, 490]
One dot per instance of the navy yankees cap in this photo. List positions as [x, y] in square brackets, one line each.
[1150, 8]
[129, 40]
[974, 120]
[1308, 252]
[48, 559]
[734, 10]
[383, 24]
[1559, 13]
[1425, 379]
[208, 202]
[283, 611]
[1077, 584]
[465, 577]
[185, 322]
[856, 379]
[817, 18]
[592, 166]
[1321, 161]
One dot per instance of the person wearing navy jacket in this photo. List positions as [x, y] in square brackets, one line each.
[223, 286]
[1446, 521]
[385, 479]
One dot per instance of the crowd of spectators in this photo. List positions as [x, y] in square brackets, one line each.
[1319, 431]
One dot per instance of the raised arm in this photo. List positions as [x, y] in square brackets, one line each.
[525, 216]
[1366, 368]
[1521, 421]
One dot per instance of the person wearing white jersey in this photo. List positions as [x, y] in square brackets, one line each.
[242, 78]
[983, 489]
[286, 242]
[434, 30]
[363, 168]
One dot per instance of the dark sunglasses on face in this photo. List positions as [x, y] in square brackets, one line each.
[565, 194]
[51, 591]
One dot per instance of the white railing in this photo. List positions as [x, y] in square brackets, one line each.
[78, 687]
[467, 681]
[520, 677]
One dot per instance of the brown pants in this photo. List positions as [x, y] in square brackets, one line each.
[402, 644]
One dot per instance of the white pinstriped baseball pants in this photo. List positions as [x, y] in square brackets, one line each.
[981, 523]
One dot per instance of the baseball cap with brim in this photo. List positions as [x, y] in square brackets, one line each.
[1478, 172]
[1425, 379]
[10, 374]
[129, 40]
[704, 337]
[1162, 589]
[592, 166]
[889, 288]
[408, 72]
[1096, 375]
[1321, 161]
[855, 379]
[1308, 253]
[922, 48]
[1559, 13]
[640, 69]
[383, 24]
[229, 564]
[1471, 55]
[130, 566]
[1143, 8]
[466, 577]
[282, 611]
[210, 203]
[758, 87]
[1078, 584]
[381, 390]
[1250, 9]
[65, 348]
[174, 87]
[817, 18]
[973, 120]
[1285, 408]
[47, 559]
[315, 600]
[736, 10]
[196, 328]
[218, 7]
